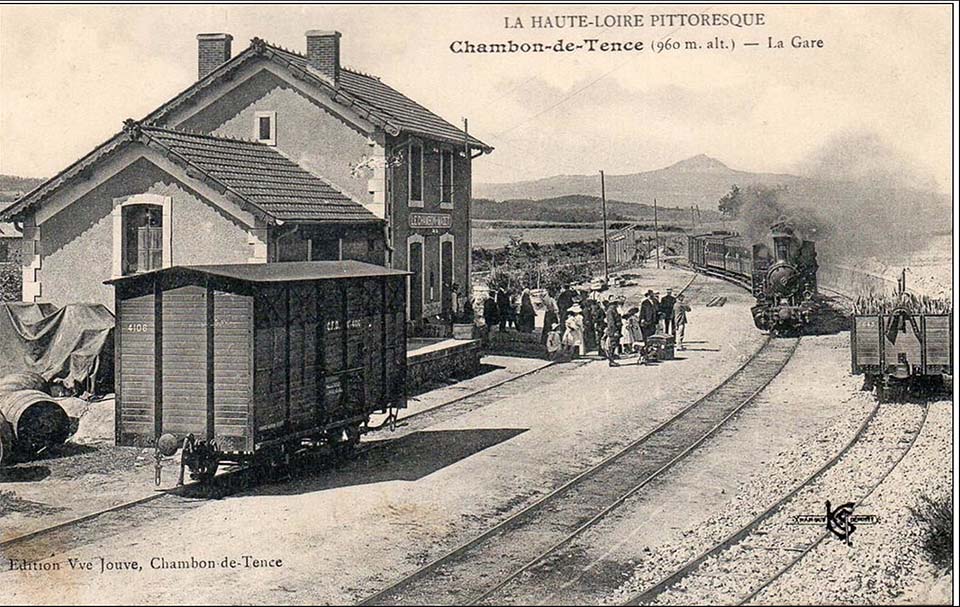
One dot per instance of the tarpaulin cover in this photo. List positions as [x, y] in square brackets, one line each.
[64, 345]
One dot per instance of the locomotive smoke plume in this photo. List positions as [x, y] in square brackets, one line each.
[762, 207]
[857, 198]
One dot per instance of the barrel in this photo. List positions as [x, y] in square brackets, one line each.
[35, 419]
[22, 380]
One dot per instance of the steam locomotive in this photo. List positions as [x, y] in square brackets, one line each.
[781, 272]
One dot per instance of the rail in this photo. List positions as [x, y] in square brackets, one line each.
[478, 569]
[689, 569]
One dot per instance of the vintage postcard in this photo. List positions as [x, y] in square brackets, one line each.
[510, 304]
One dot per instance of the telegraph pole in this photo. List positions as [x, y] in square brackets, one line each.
[468, 288]
[603, 202]
[656, 232]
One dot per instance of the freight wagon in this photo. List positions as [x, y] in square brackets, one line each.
[901, 351]
[250, 363]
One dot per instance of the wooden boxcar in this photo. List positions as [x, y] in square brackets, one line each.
[256, 359]
[899, 351]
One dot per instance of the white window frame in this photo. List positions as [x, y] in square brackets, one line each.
[273, 127]
[444, 153]
[414, 239]
[418, 203]
[165, 203]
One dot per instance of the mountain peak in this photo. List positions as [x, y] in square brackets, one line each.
[699, 163]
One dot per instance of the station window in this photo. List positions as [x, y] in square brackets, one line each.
[446, 177]
[265, 127]
[416, 173]
[143, 238]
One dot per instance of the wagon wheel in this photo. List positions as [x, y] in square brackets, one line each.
[890, 391]
[344, 448]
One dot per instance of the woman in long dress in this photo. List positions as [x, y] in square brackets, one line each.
[527, 317]
[550, 316]
[573, 336]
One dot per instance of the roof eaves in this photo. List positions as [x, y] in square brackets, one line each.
[366, 111]
[199, 174]
[76, 170]
[223, 71]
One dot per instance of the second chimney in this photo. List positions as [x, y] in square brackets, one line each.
[323, 53]
[213, 51]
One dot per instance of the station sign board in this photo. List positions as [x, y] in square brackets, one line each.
[431, 220]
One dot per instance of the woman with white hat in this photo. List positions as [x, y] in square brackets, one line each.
[573, 336]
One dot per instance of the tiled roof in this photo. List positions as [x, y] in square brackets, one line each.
[260, 178]
[372, 99]
[398, 108]
[263, 177]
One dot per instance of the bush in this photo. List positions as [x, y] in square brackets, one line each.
[937, 518]
[11, 279]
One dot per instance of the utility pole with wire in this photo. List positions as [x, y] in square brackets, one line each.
[603, 202]
[468, 288]
[656, 232]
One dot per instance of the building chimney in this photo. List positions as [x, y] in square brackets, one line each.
[213, 51]
[323, 53]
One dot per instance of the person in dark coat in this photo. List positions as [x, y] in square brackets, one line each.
[649, 312]
[600, 327]
[614, 324]
[564, 301]
[527, 317]
[589, 325]
[491, 314]
[503, 308]
[666, 311]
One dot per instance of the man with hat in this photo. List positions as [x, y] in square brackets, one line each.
[666, 311]
[648, 316]
[491, 315]
[680, 319]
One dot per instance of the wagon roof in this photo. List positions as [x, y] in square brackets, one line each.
[288, 271]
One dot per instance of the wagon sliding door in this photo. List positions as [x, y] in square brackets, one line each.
[184, 360]
[136, 384]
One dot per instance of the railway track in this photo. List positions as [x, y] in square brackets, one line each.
[474, 572]
[83, 529]
[761, 552]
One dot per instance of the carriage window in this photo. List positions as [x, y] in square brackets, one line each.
[142, 238]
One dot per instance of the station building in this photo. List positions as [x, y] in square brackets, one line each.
[271, 155]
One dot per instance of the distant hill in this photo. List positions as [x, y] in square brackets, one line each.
[700, 180]
[12, 187]
[579, 208]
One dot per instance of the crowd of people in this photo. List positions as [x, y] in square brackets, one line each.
[576, 323]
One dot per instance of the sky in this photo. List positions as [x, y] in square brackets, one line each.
[70, 75]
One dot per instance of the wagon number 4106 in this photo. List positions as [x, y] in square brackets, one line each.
[138, 327]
